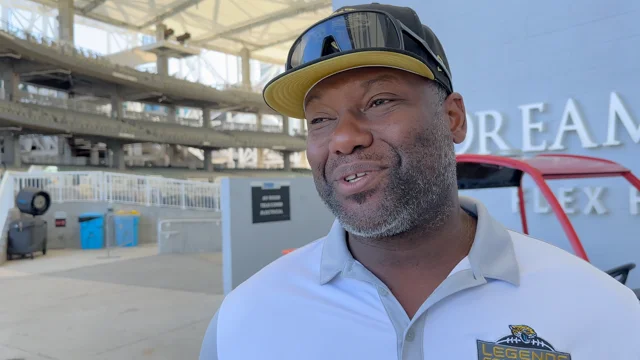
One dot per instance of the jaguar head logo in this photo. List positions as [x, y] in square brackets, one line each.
[523, 332]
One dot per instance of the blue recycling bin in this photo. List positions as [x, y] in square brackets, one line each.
[91, 230]
[126, 230]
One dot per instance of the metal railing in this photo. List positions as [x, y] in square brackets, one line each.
[138, 115]
[154, 117]
[95, 57]
[54, 160]
[122, 188]
[105, 110]
[248, 127]
[70, 104]
[101, 61]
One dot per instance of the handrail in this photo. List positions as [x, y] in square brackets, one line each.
[98, 186]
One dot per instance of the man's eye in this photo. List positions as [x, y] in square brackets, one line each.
[379, 102]
[317, 120]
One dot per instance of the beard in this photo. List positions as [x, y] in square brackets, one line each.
[417, 192]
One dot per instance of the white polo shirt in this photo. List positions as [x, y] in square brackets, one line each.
[512, 297]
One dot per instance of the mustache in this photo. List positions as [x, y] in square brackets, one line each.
[332, 164]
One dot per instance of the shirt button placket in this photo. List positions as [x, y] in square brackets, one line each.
[410, 335]
[411, 350]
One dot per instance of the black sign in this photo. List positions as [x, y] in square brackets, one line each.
[61, 222]
[270, 202]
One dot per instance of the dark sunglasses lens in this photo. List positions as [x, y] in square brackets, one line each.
[352, 31]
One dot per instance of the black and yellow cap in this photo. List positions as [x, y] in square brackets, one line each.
[286, 92]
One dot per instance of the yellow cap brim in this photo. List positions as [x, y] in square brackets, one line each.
[286, 94]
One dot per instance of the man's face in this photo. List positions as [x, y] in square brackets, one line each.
[380, 146]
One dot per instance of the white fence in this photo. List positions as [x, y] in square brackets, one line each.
[121, 188]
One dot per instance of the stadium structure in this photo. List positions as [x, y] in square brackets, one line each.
[154, 84]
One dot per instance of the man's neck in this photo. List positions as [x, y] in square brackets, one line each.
[414, 263]
[420, 247]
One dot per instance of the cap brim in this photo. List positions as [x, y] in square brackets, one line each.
[285, 94]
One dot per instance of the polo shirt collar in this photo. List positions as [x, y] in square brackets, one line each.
[335, 253]
[491, 256]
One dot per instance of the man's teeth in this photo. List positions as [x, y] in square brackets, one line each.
[355, 177]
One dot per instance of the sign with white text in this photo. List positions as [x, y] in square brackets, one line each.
[270, 201]
[486, 128]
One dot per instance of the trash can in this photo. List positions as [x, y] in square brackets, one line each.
[27, 236]
[126, 230]
[91, 230]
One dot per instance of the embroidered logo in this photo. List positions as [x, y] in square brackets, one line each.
[523, 343]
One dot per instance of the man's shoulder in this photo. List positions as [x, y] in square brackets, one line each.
[261, 299]
[539, 257]
[561, 271]
[291, 270]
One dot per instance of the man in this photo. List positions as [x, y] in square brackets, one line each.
[409, 270]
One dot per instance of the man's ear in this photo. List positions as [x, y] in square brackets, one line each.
[457, 115]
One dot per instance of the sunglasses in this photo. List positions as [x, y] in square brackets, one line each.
[355, 31]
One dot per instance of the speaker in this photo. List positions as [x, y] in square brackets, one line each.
[33, 201]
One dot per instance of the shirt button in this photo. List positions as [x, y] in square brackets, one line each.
[382, 291]
[410, 335]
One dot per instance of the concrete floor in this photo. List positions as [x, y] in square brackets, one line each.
[81, 305]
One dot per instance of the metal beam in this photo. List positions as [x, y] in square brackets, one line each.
[170, 12]
[125, 25]
[275, 42]
[101, 18]
[135, 96]
[108, 20]
[10, 55]
[90, 6]
[100, 89]
[53, 73]
[300, 8]
[25, 67]
[256, 47]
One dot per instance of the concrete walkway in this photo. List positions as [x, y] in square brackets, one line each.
[81, 305]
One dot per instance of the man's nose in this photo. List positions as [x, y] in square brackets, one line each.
[350, 134]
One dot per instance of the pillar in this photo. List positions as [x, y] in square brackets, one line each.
[94, 158]
[63, 143]
[285, 125]
[11, 86]
[208, 165]
[117, 153]
[259, 122]
[117, 111]
[162, 61]
[286, 156]
[206, 118]
[162, 65]
[260, 159]
[260, 152]
[65, 21]
[303, 124]
[171, 113]
[246, 67]
[17, 151]
[11, 146]
[304, 162]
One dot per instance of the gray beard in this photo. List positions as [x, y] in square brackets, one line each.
[418, 192]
